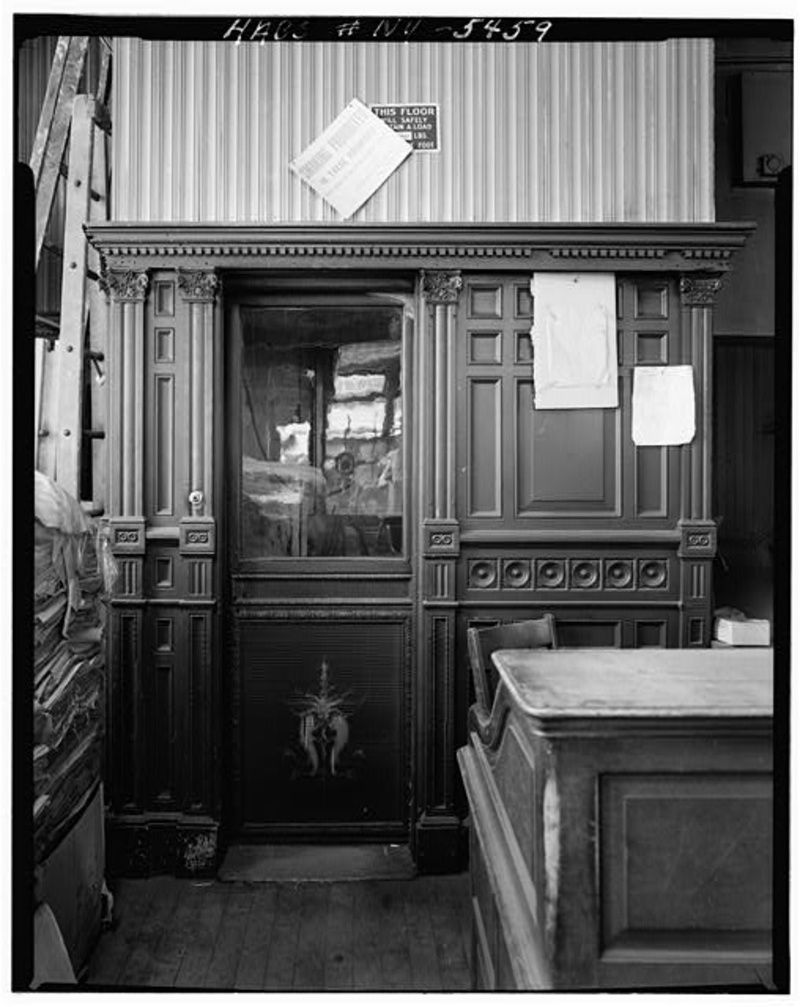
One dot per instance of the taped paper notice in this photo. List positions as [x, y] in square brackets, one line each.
[574, 341]
[351, 159]
[663, 405]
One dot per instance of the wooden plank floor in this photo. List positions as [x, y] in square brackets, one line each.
[306, 936]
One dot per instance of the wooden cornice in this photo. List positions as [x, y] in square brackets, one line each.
[707, 248]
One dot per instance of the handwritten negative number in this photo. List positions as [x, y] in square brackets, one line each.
[542, 28]
[491, 26]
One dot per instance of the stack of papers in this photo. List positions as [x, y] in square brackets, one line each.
[68, 678]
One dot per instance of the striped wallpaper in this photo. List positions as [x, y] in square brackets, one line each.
[553, 132]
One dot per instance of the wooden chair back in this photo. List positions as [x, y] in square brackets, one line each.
[481, 644]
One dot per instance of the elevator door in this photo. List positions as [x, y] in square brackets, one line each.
[319, 569]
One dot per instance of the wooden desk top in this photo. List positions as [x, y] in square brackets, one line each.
[600, 683]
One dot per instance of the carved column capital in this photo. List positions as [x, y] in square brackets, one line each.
[126, 284]
[699, 291]
[441, 286]
[198, 284]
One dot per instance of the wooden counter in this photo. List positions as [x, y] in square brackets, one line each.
[621, 820]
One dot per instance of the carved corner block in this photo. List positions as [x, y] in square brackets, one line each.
[699, 291]
[127, 535]
[441, 286]
[698, 540]
[440, 538]
[198, 536]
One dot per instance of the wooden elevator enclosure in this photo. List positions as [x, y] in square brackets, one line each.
[505, 515]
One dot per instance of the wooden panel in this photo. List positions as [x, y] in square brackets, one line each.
[652, 348]
[651, 481]
[515, 777]
[164, 346]
[570, 465]
[650, 334]
[650, 633]
[484, 300]
[198, 741]
[164, 446]
[163, 572]
[523, 301]
[651, 299]
[485, 447]
[166, 405]
[485, 348]
[161, 739]
[163, 298]
[439, 723]
[593, 632]
[686, 864]
[523, 352]
[164, 635]
[125, 696]
[566, 458]
[289, 772]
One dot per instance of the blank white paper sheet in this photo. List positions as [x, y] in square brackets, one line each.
[663, 405]
[352, 158]
[574, 340]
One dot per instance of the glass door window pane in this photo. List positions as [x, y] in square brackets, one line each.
[321, 431]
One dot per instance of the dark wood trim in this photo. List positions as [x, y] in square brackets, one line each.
[651, 247]
[579, 536]
[324, 574]
[258, 287]
[323, 568]
[585, 604]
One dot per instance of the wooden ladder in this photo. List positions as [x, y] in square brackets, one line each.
[77, 123]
